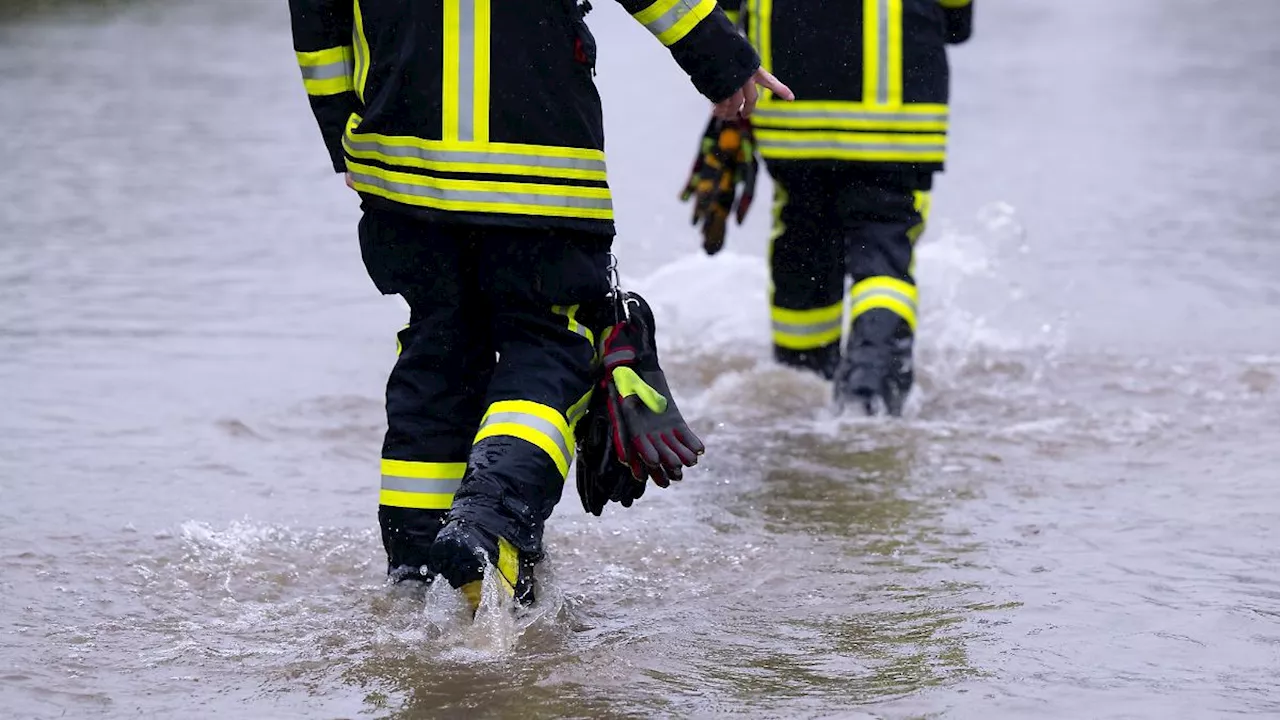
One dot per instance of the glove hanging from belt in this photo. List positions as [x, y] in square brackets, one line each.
[726, 160]
[632, 430]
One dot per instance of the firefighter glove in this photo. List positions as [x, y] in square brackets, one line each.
[723, 179]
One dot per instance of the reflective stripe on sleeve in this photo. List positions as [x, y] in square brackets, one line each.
[328, 72]
[671, 20]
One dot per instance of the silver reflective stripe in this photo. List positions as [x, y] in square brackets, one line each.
[803, 330]
[466, 70]
[532, 422]
[619, 356]
[826, 145]
[329, 71]
[884, 292]
[882, 81]
[766, 114]
[668, 19]
[420, 485]
[474, 157]
[517, 198]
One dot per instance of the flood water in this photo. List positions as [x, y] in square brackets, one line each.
[1079, 518]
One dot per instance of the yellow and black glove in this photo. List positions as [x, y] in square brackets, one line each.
[726, 162]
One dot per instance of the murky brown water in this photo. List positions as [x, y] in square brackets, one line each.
[1078, 519]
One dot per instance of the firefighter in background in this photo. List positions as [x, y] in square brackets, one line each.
[853, 163]
[473, 135]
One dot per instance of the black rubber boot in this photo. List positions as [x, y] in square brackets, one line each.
[461, 551]
[877, 371]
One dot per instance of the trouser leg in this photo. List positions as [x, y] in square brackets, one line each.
[881, 220]
[538, 283]
[436, 388]
[806, 264]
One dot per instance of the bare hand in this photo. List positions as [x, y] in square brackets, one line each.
[351, 182]
[743, 102]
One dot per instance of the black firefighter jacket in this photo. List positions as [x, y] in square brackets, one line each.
[870, 77]
[485, 111]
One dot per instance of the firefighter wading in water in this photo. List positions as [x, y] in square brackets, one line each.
[853, 163]
[472, 131]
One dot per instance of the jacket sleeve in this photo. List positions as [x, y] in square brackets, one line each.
[959, 16]
[322, 38]
[732, 10]
[702, 40]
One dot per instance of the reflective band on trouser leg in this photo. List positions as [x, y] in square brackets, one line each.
[535, 423]
[885, 292]
[807, 329]
[328, 72]
[420, 485]
[671, 20]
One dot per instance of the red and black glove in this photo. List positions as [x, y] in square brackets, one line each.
[632, 429]
[726, 162]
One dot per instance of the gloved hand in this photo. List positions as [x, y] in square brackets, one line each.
[601, 477]
[726, 160]
[649, 434]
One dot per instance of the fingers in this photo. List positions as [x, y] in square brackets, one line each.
[351, 181]
[750, 95]
[766, 78]
[729, 108]
[687, 438]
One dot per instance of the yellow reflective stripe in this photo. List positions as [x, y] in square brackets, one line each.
[735, 16]
[478, 157]
[578, 410]
[807, 329]
[892, 53]
[508, 565]
[326, 57]
[852, 146]
[570, 313]
[478, 160]
[953, 4]
[330, 86]
[802, 107]
[671, 20]
[807, 317]
[885, 292]
[420, 485]
[534, 423]
[761, 27]
[328, 71]
[480, 89]
[483, 196]
[415, 501]
[871, 28]
[361, 52]
[452, 45]
[769, 118]
[424, 470]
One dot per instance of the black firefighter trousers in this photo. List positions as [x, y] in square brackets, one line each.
[494, 370]
[833, 220]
